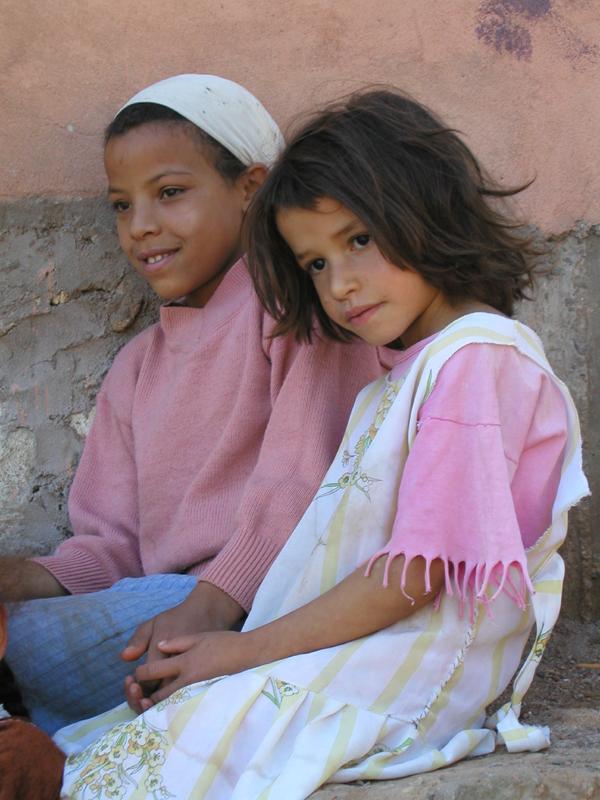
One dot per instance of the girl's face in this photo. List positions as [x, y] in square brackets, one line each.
[178, 220]
[358, 288]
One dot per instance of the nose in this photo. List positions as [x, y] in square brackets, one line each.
[343, 279]
[143, 221]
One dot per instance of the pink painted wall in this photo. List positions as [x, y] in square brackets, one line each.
[520, 78]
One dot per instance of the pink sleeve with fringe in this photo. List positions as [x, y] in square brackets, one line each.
[479, 483]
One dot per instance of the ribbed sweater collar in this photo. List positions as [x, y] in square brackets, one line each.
[183, 327]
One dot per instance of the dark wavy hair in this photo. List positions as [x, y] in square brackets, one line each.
[418, 189]
[227, 165]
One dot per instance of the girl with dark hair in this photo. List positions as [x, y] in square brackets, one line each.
[399, 608]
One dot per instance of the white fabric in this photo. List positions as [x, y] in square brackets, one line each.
[409, 698]
[223, 109]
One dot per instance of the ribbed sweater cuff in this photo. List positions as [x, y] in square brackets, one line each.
[78, 573]
[240, 571]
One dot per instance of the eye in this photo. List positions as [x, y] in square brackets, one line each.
[316, 266]
[361, 241]
[170, 191]
[120, 206]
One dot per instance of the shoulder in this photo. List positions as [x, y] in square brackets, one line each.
[483, 383]
[124, 371]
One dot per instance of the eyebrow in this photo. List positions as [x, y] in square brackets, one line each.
[353, 224]
[116, 190]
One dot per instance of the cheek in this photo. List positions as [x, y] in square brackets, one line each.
[324, 295]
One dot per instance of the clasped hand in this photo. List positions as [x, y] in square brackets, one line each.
[205, 611]
[194, 658]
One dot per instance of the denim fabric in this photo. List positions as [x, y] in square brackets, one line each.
[64, 651]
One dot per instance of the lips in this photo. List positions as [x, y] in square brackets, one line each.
[153, 260]
[361, 314]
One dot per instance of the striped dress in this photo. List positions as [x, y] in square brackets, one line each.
[410, 698]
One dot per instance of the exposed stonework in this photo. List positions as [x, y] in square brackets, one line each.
[69, 301]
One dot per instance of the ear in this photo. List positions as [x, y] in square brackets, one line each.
[3, 617]
[250, 181]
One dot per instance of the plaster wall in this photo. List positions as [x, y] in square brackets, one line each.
[518, 77]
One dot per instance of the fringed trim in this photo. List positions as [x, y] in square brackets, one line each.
[468, 580]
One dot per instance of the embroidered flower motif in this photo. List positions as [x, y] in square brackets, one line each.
[279, 690]
[540, 643]
[108, 767]
[355, 476]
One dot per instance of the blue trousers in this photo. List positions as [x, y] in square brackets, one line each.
[64, 651]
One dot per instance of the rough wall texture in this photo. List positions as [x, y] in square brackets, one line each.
[69, 301]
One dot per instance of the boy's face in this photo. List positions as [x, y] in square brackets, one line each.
[178, 220]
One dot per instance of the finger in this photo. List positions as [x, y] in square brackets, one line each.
[179, 644]
[167, 668]
[133, 694]
[146, 703]
[166, 691]
[139, 642]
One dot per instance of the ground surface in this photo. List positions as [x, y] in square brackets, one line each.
[564, 695]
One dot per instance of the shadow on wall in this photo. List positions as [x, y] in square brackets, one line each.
[509, 27]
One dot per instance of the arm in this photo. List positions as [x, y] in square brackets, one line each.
[312, 389]
[356, 607]
[103, 506]
[21, 579]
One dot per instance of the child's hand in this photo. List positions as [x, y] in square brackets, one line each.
[196, 658]
[31, 765]
[207, 608]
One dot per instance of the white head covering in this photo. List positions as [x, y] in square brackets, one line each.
[223, 109]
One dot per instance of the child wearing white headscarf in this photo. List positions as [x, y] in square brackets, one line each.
[210, 437]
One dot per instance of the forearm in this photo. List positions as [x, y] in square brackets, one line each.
[216, 607]
[21, 579]
[356, 607]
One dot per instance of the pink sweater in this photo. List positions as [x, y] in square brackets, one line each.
[208, 443]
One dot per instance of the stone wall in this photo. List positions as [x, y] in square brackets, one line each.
[69, 301]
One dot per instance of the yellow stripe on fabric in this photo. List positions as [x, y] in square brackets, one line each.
[515, 734]
[265, 792]
[438, 760]
[220, 752]
[357, 417]
[116, 716]
[443, 342]
[340, 744]
[497, 658]
[182, 716]
[525, 334]
[317, 705]
[549, 587]
[334, 541]
[408, 667]
[443, 698]
[339, 660]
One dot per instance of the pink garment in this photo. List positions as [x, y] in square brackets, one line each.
[479, 482]
[209, 442]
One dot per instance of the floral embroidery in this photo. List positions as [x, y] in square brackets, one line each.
[279, 691]
[354, 476]
[110, 766]
[541, 641]
[180, 696]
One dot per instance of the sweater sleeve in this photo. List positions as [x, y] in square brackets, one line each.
[103, 500]
[312, 391]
